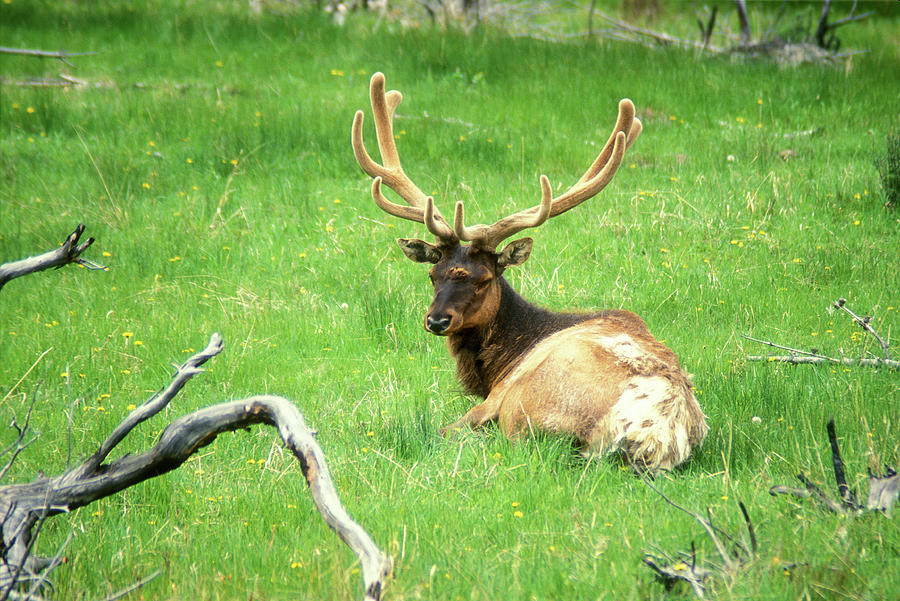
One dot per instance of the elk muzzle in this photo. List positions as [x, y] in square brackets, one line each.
[437, 323]
[442, 319]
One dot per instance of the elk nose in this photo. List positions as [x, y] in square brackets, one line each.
[437, 324]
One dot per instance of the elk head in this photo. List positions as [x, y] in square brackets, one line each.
[467, 277]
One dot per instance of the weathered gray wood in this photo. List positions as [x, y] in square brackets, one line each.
[808, 360]
[883, 491]
[743, 20]
[24, 506]
[42, 53]
[69, 252]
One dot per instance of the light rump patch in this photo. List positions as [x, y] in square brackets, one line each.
[593, 383]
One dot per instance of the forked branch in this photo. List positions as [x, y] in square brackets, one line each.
[674, 569]
[863, 322]
[68, 252]
[22, 506]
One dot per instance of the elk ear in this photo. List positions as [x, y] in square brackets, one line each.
[419, 250]
[515, 253]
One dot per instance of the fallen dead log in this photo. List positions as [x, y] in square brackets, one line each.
[24, 507]
[68, 252]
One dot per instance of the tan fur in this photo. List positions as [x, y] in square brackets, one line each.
[608, 383]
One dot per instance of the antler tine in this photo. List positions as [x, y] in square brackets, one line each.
[384, 104]
[586, 188]
[625, 122]
[597, 177]
[489, 236]
[436, 224]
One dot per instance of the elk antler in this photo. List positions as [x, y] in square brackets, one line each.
[598, 175]
[421, 209]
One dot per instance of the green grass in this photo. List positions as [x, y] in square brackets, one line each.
[213, 166]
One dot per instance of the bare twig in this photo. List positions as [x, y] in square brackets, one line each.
[706, 29]
[824, 27]
[152, 406]
[791, 350]
[131, 588]
[744, 21]
[43, 53]
[20, 444]
[822, 46]
[798, 356]
[663, 39]
[863, 322]
[753, 544]
[69, 252]
[672, 571]
[707, 525]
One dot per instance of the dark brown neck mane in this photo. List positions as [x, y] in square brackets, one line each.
[485, 355]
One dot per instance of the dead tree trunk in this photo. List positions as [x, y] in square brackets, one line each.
[23, 507]
[744, 21]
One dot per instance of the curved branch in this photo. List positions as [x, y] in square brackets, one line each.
[154, 405]
[24, 506]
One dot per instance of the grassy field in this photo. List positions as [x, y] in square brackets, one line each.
[210, 157]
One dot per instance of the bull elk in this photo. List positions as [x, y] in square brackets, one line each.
[600, 377]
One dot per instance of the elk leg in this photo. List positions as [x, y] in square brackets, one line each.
[478, 415]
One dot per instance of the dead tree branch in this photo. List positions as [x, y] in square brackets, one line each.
[794, 359]
[883, 490]
[798, 356]
[659, 38]
[22, 506]
[819, 45]
[671, 570]
[863, 322]
[69, 252]
[43, 53]
[131, 588]
[824, 27]
[20, 444]
[706, 29]
[744, 21]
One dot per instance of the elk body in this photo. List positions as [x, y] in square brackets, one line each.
[600, 377]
